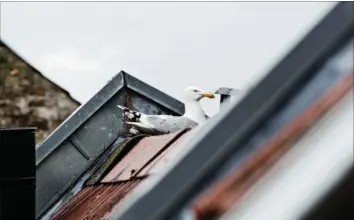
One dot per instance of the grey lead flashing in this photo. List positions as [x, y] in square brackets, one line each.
[75, 145]
[154, 94]
[84, 112]
[78, 117]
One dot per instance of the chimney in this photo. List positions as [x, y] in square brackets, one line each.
[227, 93]
[17, 173]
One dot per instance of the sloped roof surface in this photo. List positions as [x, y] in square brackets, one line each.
[127, 166]
[93, 202]
[87, 133]
[164, 159]
[139, 157]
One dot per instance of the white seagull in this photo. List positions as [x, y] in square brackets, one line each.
[164, 124]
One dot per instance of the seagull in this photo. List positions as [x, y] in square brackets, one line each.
[164, 124]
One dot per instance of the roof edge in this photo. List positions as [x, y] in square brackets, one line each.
[18, 129]
[86, 110]
[78, 117]
[2, 43]
[153, 94]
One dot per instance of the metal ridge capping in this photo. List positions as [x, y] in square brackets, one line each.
[85, 111]
[89, 131]
[154, 94]
[78, 117]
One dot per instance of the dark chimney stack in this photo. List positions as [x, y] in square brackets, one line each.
[226, 93]
[17, 173]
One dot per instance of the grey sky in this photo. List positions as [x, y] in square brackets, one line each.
[169, 45]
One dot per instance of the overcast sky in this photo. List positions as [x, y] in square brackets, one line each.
[169, 45]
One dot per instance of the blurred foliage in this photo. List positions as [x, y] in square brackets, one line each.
[28, 99]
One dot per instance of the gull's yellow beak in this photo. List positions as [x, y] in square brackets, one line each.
[208, 95]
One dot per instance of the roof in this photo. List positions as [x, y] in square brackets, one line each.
[301, 177]
[74, 147]
[28, 98]
[224, 142]
[125, 168]
[3, 44]
[88, 158]
[94, 202]
[222, 196]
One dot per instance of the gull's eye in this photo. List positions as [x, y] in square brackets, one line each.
[195, 90]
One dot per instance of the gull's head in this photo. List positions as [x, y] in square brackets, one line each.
[194, 93]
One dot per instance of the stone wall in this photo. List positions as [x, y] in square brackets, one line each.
[28, 99]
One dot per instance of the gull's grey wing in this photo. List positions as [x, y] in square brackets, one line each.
[168, 124]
